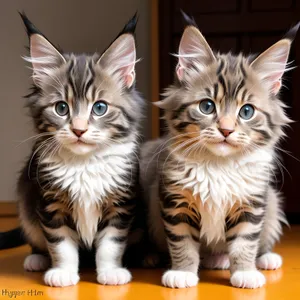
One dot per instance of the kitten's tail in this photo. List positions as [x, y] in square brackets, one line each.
[12, 238]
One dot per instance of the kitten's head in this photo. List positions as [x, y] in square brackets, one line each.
[225, 104]
[85, 102]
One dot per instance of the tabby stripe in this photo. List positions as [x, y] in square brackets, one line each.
[256, 204]
[181, 126]
[268, 116]
[70, 79]
[127, 116]
[222, 82]
[208, 92]
[244, 95]
[216, 90]
[249, 217]
[174, 237]
[180, 218]
[245, 217]
[221, 67]
[53, 224]
[238, 88]
[264, 133]
[250, 237]
[87, 86]
[52, 239]
[179, 111]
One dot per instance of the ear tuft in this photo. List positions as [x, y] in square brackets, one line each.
[291, 34]
[30, 28]
[188, 19]
[194, 51]
[130, 26]
[271, 64]
[120, 57]
[44, 56]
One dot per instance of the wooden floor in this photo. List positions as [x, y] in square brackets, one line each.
[282, 284]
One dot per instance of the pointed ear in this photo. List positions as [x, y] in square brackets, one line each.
[193, 51]
[271, 64]
[120, 57]
[43, 55]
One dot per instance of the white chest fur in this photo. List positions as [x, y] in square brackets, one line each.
[88, 182]
[219, 184]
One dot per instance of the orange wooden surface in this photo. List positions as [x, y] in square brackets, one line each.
[282, 284]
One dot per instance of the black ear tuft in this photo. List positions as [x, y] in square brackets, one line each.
[189, 19]
[291, 34]
[130, 26]
[30, 28]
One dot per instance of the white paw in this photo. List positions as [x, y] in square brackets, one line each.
[179, 279]
[218, 261]
[36, 262]
[61, 277]
[114, 276]
[269, 261]
[247, 279]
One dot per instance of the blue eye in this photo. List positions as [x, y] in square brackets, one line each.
[247, 112]
[207, 107]
[62, 108]
[99, 108]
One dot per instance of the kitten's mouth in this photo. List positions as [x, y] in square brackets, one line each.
[226, 143]
[81, 142]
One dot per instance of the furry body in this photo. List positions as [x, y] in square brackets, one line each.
[78, 187]
[208, 183]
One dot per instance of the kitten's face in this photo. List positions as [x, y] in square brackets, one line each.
[83, 107]
[84, 102]
[222, 104]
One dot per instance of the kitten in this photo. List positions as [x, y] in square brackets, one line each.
[208, 181]
[77, 189]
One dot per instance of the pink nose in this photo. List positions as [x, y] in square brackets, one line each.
[226, 132]
[79, 132]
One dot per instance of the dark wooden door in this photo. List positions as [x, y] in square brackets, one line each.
[247, 26]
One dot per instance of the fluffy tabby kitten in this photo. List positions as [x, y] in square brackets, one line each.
[78, 187]
[208, 181]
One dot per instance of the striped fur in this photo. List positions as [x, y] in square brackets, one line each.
[208, 186]
[78, 191]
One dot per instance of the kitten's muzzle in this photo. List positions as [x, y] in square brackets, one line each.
[78, 132]
[79, 126]
[226, 126]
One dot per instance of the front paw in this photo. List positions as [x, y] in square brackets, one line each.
[179, 279]
[61, 277]
[115, 276]
[247, 279]
[269, 261]
[36, 262]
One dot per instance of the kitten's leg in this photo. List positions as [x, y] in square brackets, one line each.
[242, 236]
[183, 232]
[65, 258]
[38, 260]
[274, 216]
[110, 246]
